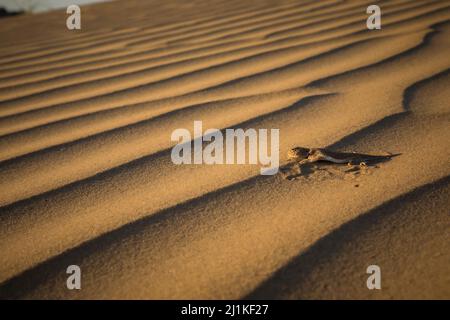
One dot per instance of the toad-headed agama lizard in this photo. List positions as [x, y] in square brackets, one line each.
[310, 155]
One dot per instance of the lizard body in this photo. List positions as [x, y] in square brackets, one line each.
[310, 155]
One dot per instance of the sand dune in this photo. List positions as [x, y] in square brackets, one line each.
[416, 223]
[86, 176]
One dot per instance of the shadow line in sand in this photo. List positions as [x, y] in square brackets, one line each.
[148, 159]
[53, 269]
[435, 29]
[410, 92]
[296, 279]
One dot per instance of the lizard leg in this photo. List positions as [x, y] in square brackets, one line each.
[298, 167]
[362, 165]
[302, 162]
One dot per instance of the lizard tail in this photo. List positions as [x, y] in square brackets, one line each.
[391, 155]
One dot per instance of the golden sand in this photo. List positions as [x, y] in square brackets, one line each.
[87, 179]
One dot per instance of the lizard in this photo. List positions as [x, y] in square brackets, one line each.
[301, 156]
[310, 155]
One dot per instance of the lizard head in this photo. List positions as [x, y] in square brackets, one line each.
[298, 153]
